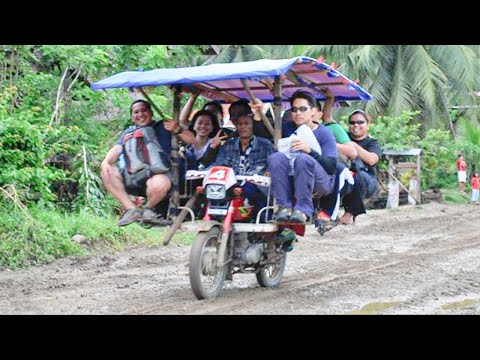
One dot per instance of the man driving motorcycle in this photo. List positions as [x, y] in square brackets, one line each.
[247, 154]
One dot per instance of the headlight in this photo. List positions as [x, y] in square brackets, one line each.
[215, 192]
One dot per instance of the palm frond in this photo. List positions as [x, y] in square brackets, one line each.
[424, 74]
[401, 95]
[457, 61]
[226, 54]
[470, 132]
[367, 57]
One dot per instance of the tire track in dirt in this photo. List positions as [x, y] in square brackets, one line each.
[250, 300]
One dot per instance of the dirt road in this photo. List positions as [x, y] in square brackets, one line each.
[413, 260]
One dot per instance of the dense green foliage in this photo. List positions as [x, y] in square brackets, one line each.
[54, 131]
[438, 149]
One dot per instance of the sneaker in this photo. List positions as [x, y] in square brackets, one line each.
[298, 217]
[130, 216]
[283, 214]
[149, 215]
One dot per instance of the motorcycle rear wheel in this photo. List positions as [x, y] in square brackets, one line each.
[206, 279]
[272, 275]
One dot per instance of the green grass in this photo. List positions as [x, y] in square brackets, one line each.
[453, 196]
[24, 244]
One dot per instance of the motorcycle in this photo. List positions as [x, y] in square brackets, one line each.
[228, 241]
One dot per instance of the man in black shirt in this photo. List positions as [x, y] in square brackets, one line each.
[369, 154]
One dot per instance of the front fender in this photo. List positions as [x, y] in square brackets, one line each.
[204, 226]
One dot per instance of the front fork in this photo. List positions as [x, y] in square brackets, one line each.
[226, 230]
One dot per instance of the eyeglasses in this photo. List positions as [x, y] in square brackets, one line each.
[301, 108]
[359, 122]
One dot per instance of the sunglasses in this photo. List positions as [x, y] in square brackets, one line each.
[359, 122]
[301, 108]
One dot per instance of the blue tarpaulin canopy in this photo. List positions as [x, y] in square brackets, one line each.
[222, 82]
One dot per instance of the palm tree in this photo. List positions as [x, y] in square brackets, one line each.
[238, 53]
[429, 78]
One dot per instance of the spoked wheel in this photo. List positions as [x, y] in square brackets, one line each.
[272, 274]
[206, 279]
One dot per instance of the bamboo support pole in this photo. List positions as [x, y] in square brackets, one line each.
[252, 99]
[178, 221]
[175, 198]
[277, 103]
[157, 109]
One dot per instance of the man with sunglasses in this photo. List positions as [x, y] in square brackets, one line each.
[369, 154]
[350, 193]
[314, 172]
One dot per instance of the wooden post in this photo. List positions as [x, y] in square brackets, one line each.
[178, 221]
[252, 99]
[419, 179]
[174, 199]
[390, 167]
[393, 197]
[277, 102]
[403, 187]
[413, 187]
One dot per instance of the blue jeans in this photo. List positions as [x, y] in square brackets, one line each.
[310, 177]
[257, 199]
[366, 183]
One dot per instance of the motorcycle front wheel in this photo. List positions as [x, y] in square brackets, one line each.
[206, 279]
[271, 276]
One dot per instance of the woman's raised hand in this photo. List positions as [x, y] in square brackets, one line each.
[217, 140]
[170, 125]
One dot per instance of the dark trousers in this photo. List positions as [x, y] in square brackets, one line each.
[257, 199]
[367, 184]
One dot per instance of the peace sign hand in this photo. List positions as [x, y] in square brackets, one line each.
[217, 140]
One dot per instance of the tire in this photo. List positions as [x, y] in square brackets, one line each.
[205, 279]
[272, 275]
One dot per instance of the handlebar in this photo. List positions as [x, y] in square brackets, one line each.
[195, 174]
[254, 179]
